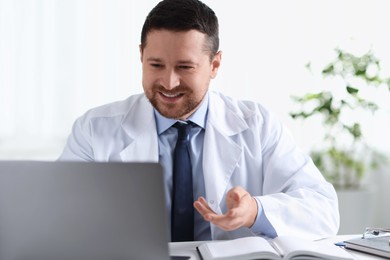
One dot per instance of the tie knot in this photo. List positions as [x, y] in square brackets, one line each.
[184, 129]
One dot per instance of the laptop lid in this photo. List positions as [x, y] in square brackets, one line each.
[78, 210]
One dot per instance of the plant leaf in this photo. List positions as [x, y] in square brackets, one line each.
[351, 90]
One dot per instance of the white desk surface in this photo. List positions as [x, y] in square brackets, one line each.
[189, 248]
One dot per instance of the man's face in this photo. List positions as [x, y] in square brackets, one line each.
[176, 71]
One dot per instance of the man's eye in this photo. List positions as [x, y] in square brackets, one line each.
[185, 67]
[156, 65]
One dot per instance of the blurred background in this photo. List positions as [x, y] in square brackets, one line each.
[60, 58]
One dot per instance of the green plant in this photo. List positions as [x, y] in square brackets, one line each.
[344, 156]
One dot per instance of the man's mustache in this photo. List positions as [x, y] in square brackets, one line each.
[175, 90]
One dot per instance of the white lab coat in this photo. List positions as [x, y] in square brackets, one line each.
[243, 145]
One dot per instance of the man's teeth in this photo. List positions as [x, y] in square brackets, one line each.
[171, 95]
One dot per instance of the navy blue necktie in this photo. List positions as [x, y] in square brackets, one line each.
[182, 216]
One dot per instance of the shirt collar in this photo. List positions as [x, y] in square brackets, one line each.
[199, 117]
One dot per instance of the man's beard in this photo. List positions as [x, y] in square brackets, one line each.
[172, 110]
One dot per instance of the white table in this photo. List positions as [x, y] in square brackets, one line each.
[189, 248]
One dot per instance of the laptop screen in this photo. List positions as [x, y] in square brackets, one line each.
[79, 210]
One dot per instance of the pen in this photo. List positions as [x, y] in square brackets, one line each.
[342, 244]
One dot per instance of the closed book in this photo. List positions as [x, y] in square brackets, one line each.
[377, 245]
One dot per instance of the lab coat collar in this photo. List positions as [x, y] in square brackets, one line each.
[226, 116]
[139, 124]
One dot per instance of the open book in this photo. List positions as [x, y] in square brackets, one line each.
[278, 248]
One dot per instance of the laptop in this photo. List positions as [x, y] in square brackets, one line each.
[82, 211]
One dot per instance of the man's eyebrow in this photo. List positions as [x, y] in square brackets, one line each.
[154, 59]
[189, 62]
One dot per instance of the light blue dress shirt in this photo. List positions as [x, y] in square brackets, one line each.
[167, 136]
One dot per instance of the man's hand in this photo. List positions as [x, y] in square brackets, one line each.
[241, 210]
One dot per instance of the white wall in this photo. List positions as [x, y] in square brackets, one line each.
[59, 58]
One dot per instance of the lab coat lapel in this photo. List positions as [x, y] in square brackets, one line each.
[219, 162]
[221, 154]
[140, 126]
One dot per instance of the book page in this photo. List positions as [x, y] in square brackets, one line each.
[241, 248]
[291, 247]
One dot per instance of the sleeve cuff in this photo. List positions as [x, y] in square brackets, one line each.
[262, 226]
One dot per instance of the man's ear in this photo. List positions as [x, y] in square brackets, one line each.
[215, 64]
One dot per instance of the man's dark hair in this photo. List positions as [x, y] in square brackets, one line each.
[183, 15]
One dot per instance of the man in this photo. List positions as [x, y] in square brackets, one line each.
[248, 176]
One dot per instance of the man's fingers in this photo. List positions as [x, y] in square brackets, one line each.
[203, 208]
[241, 211]
[225, 221]
[234, 196]
[228, 221]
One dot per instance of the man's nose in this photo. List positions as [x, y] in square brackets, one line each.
[170, 79]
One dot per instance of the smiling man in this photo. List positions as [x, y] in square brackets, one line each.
[230, 167]
[177, 71]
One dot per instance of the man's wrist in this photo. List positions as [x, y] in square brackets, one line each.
[254, 212]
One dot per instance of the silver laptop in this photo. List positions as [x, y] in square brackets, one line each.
[77, 210]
